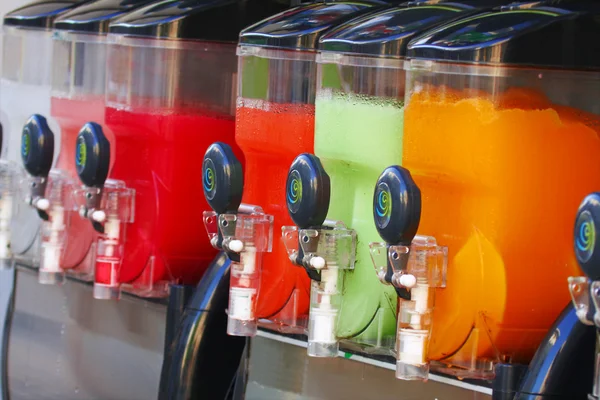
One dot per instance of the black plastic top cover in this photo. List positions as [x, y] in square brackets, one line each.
[302, 26]
[562, 34]
[97, 15]
[210, 20]
[40, 14]
[387, 32]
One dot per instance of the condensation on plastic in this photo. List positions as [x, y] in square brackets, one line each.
[361, 75]
[276, 75]
[500, 325]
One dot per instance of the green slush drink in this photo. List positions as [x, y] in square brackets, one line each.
[357, 137]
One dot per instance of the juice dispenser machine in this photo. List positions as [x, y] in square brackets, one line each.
[171, 84]
[499, 109]
[275, 122]
[78, 54]
[359, 103]
[25, 87]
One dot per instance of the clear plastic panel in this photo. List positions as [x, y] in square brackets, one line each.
[26, 57]
[78, 65]
[277, 76]
[489, 132]
[111, 210]
[152, 74]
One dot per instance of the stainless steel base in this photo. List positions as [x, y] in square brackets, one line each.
[64, 345]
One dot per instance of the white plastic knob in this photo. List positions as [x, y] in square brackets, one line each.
[42, 204]
[317, 262]
[408, 280]
[236, 246]
[99, 216]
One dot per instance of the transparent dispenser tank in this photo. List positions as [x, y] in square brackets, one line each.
[360, 101]
[275, 123]
[25, 90]
[501, 134]
[78, 90]
[171, 89]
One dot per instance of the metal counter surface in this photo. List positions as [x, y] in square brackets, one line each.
[64, 345]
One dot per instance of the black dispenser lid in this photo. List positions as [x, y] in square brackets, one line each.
[210, 20]
[563, 34]
[387, 33]
[40, 14]
[97, 15]
[301, 27]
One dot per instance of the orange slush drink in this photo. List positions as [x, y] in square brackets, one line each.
[501, 182]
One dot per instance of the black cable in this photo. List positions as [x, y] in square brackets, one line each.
[6, 337]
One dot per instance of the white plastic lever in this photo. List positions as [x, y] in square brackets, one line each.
[42, 204]
[236, 246]
[317, 262]
[99, 216]
[409, 281]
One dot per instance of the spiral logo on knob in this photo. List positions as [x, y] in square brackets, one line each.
[585, 236]
[383, 206]
[294, 191]
[81, 153]
[25, 144]
[209, 181]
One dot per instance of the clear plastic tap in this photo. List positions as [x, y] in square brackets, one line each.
[414, 264]
[416, 272]
[108, 204]
[243, 231]
[8, 189]
[323, 248]
[110, 209]
[50, 193]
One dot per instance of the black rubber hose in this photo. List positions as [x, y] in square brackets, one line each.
[6, 334]
[563, 366]
[204, 360]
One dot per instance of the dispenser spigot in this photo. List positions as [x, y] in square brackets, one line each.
[414, 265]
[37, 153]
[242, 231]
[49, 193]
[108, 205]
[323, 248]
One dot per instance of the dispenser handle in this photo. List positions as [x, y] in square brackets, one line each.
[37, 152]
[37, 146]
[586, 241]
[92, 159]
[222, 178]
[397, 206]
[308, 191]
